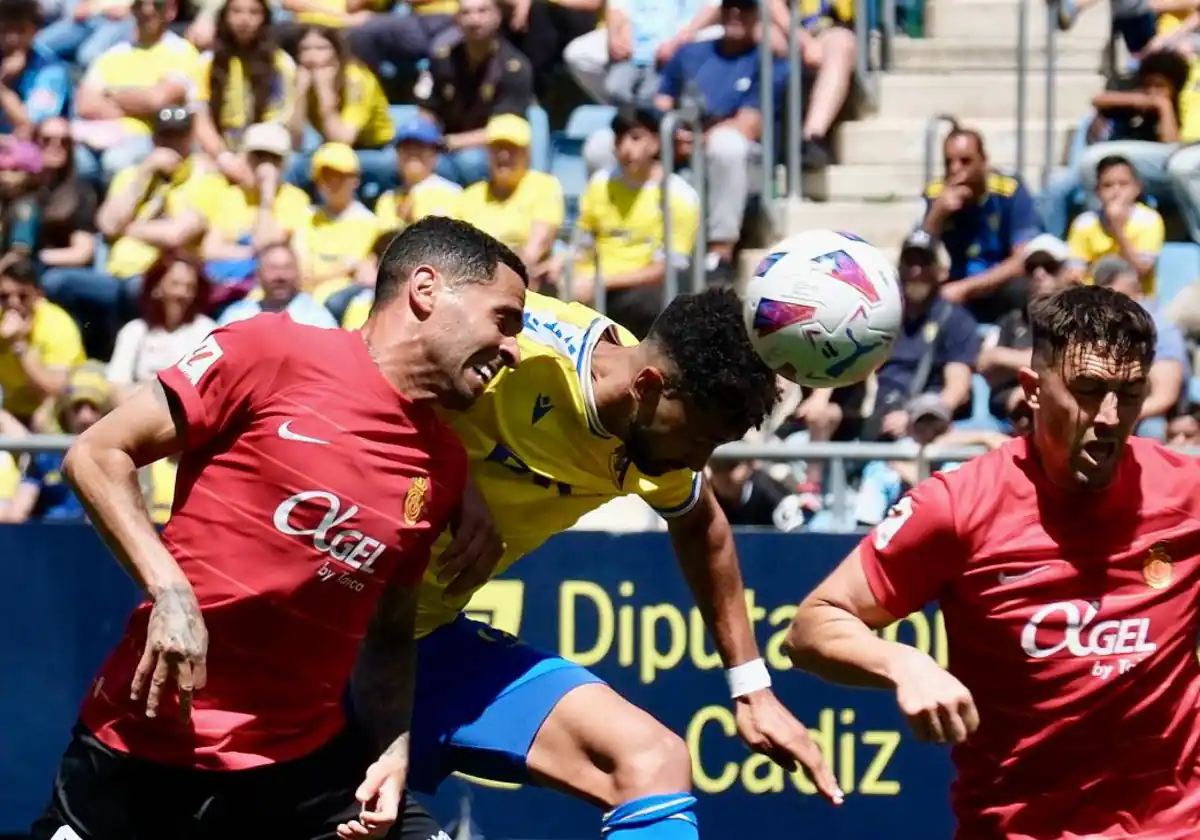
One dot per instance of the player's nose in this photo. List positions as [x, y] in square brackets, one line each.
[1107, 414]
[510, 351]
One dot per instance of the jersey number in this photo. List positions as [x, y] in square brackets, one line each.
[500, 454]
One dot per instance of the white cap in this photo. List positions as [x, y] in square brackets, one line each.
[1046, 243]
[269, 138]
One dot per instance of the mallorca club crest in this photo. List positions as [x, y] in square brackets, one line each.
[414, 500]
[771, 316]
[841, 265]
[1157, 568]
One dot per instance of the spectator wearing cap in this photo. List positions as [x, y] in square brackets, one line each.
[279, 282]
[1171, 368]
[983, 218]
[1010, 347]
[342, 102]
[340, 231]
[422, 192]
[127, 87]
[245, 81]
[935, 351]
[39, 343]
[621, 211]
[34, 84]
[44, 493]
[1123, 227]
[20, 215]
[479, 76]
[166, 202]
[253, 217]
[175, 294]
[522, 208]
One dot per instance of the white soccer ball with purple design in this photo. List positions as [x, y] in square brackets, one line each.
[824, 308]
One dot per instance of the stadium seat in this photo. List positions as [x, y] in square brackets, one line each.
[566, 161]
[1178, 265]
[981, 418]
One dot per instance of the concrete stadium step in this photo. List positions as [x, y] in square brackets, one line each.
[975, 96]
[886, 183]
[895, 140]
[881, 224]
[952, 54]
[967, 20]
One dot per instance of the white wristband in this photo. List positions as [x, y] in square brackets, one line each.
[747, 677]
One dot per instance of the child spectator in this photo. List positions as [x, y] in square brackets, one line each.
[422, 192]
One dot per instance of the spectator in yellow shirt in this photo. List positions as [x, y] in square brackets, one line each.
[520, 207]
[622, 212]
[39, 343]
[168, 201]
[128, 85]
[1123, 227]
[341, 231]
[247, 79]
[422, 192]
[253, 218]
[343, 102]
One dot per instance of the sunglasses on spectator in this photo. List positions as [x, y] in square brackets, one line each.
[1048, 265]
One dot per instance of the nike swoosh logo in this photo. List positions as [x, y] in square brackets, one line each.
[1006, 578]
[288, 434]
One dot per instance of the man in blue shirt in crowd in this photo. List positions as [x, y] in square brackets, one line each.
[34, 85]
[43, 493]
[641, 35]
[983, 219]
[935, 352]
[279, 291]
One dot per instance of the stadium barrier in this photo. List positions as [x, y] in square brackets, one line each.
[690, 116]
[615, 603]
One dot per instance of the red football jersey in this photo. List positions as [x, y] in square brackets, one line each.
[1072, 619]
[307, 483]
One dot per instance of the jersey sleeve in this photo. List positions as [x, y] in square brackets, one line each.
[915, 551]
[671, 495]
[220, 380]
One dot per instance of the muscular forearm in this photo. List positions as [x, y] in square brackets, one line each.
[833, 644]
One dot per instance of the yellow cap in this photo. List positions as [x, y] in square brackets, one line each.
[88, 383]
[509, 128]
[336, 156]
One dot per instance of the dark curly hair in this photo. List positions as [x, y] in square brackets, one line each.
[1092, 318]
[258, 67]
[716, 369]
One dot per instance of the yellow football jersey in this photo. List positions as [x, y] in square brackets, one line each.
[537, 450]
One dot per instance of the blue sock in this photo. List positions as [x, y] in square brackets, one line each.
[662, 816]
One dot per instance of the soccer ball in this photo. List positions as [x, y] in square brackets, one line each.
[824, 309]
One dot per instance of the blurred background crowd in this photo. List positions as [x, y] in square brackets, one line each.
[166, 168]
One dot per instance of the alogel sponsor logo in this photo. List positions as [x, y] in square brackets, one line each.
[1079, 636]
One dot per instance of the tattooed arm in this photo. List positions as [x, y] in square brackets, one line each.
[102, 466]
[382, 686]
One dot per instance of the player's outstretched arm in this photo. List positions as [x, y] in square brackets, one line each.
[382, 687]
[705, 550]
[833, 637]
[102, 467]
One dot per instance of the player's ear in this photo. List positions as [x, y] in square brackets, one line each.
[422, 286]
[648, 384]
[1030, 382]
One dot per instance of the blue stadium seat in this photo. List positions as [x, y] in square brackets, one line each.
[1079, 141]
[566, 162]
[981, 418]
[1178, 265]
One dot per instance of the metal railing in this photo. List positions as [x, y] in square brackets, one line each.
[1051, 81]
[932, 136]
[691, 118]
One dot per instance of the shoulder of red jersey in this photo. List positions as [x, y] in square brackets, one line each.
[1167, 475]
[989, 488]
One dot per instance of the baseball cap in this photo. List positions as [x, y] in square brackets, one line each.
[419, 130]
[336, 156]
[1048, 244]
[268, 139]
[509, 128]
[927, 406]
[919, 241]
[88, 383]
[174, 118]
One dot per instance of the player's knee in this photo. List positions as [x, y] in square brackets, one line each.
[659, 762]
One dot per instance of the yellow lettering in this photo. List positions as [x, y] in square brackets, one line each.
[873, 783]
[724, 780]
[702, 658]
[941, 647]
[781, 617]
[920, 628]
[845, 758]
[568, 593]
[652, 659]
[770, 782]
[625, 626]
[822, 735]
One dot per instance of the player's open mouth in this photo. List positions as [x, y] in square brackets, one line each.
[484, 372]
[1100, 451]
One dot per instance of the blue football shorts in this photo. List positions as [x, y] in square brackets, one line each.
[481, 697]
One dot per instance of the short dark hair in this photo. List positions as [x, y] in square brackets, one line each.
[1168, 64]
[20, 11]
[1095, 318]
[1110, 161]
[716, 369]
[18, 267]
[460, 251]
